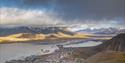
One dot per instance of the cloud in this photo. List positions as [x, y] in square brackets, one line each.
[74, 9]
[17, 16]
[94, 9]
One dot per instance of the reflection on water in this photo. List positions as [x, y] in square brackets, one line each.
[22, 50]
[84, 44]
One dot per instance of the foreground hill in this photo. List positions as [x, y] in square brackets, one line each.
[117, 43]
[113, 51]
[107, 57]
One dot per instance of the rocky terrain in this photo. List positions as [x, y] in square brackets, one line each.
[107, 57]
[117, 43]
[111, 51]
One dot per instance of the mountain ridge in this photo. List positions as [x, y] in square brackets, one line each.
[117, 43]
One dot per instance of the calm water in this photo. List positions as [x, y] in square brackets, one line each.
[22, 50]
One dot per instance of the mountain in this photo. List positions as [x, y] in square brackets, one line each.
[33, 30]
[22, 37]
[102, 31]
[16, 34]
[113, 51]
[117, 43]
[106, 31]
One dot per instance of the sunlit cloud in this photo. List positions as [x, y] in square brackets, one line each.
[27, 17]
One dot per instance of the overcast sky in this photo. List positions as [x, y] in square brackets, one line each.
[105, 13]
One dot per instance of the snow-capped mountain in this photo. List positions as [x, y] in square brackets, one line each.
[109, 30]
[34, 30]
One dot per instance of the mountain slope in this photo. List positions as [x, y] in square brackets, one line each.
[33, 30]
[117, 43]
[113, 51]
[16, 34]
[107, 57]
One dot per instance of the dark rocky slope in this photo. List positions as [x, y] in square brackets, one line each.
[117, 43]
[113, 51]
[107, 57]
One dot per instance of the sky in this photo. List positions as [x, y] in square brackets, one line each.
[86, 13]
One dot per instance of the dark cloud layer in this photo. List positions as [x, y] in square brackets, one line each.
[95, 9]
